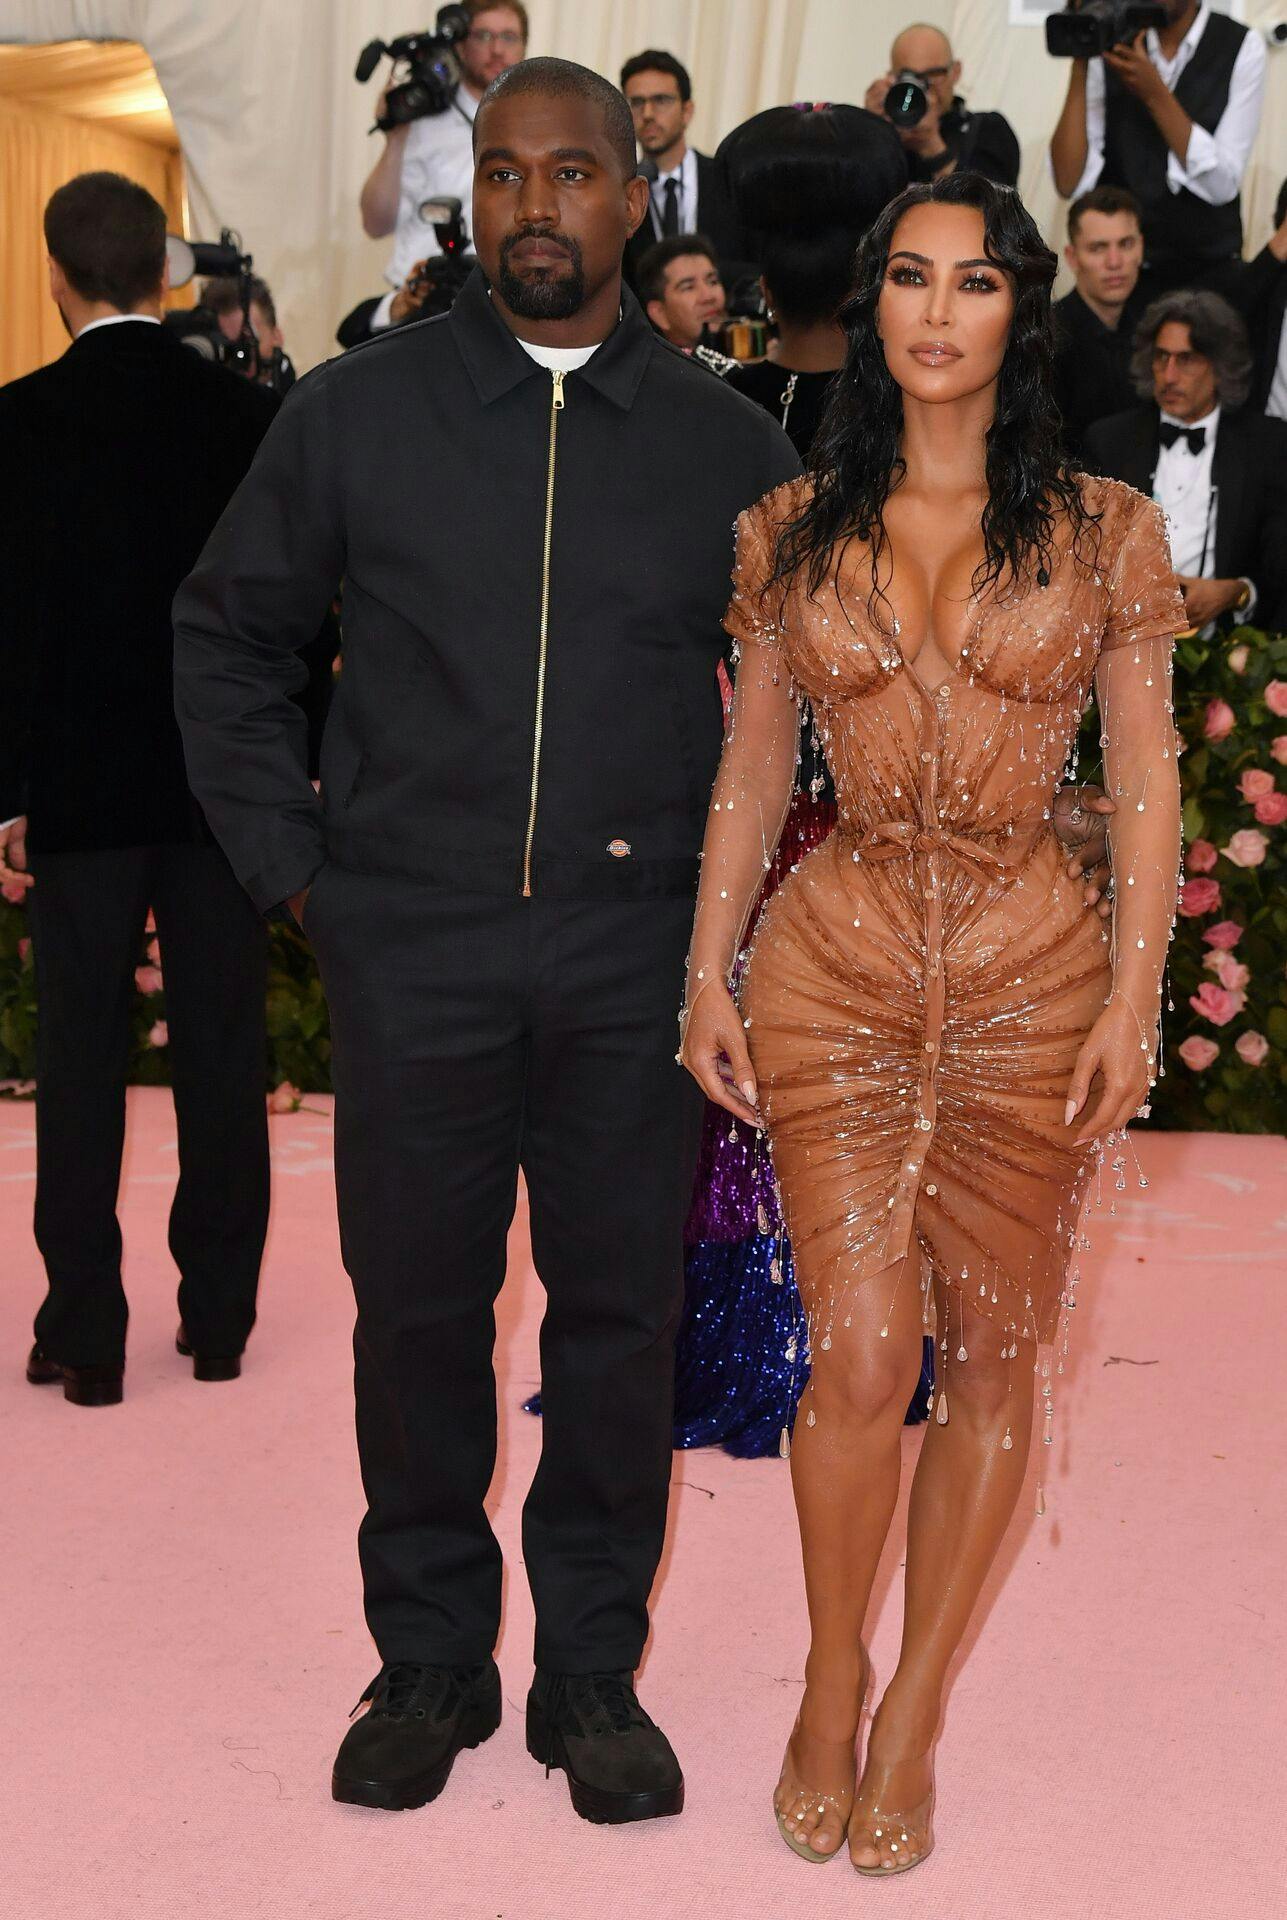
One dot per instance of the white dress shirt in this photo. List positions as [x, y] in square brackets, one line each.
[686, 174]
[1215, 162]
[437, 159]
[1182, 488]
[1276, 405]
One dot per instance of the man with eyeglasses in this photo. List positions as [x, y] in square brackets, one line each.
[949, 135]
[434, 157]
[686, 191]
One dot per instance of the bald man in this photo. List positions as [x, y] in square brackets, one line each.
[950, 135]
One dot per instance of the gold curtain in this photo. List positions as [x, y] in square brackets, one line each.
[39, 150]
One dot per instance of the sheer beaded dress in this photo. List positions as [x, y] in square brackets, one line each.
[919, 986]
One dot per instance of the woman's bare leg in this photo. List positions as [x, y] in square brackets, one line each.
[844, 1471]
[963, 1496]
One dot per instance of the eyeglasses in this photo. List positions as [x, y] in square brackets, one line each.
[507, 38]
[641, 102]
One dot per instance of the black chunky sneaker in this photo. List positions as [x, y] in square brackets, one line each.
[400, 1753]
[208, 1366]
[620, 1765]
[83, 1386]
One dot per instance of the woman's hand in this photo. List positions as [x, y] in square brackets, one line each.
[714, 1050]
[1119, 1050]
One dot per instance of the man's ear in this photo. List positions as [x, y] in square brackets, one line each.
[637, 194]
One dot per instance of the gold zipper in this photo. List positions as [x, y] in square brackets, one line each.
[556, 408]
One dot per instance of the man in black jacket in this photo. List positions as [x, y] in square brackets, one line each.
[117, 461]
[686, 189]
[1217, 468]
[498, 879]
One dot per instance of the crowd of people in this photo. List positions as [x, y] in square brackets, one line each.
[503, 935]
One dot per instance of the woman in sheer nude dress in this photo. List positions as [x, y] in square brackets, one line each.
[936, 1035]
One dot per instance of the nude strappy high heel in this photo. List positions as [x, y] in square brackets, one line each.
[818, 1801]
[895, 1835]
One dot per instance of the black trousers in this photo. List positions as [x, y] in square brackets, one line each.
[87, 914]
[473, 1037]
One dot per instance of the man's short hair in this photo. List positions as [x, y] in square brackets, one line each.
[650, 278]
[564, 79]
[107, 234]
[653, 60]
[1215, 331]
[1102, 200]
[474, 7]
[223, 295]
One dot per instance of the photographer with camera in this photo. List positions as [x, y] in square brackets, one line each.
[223, 298]
[428, 151]
[1163, 99]
[939, 132]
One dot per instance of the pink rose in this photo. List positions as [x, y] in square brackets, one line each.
[148, 979]
[1198, 897]
[1251, 1047]
[1218, 724]
[14, 892]
[1225, 933]
[159, 1035]
[1238, 657]
[1278, 747]
[1255, 784]
[1216, 1004]
[1246, 848]
[1198, 1052]
[1276, 698]
[284, 1099]
[1200, 858]
[1231, 973]
[1272, 810]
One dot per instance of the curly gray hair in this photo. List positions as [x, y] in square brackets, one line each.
[1215, 331]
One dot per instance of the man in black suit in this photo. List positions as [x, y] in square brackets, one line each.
[1093, 323]
[117, 461]
[498, 879]
[686, 191]
[1262, 301]
[1217, 468]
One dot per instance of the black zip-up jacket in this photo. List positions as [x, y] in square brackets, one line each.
[535, 569]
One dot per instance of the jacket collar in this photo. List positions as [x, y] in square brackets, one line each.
[495, 361]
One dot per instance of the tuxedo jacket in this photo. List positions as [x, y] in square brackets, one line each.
[716, 219]
[1249, 467]
[115, 463]
[1262, 301]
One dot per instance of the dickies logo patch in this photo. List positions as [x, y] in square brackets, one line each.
[619, 849]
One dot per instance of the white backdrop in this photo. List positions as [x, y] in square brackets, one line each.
[274, 128]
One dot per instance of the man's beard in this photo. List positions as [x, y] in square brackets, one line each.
[556, 298]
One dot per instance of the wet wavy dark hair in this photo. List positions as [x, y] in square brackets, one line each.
[856, 463]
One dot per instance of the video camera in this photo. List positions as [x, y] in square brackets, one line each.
[1089, 30]
[433, 69]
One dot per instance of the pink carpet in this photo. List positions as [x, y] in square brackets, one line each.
[183, 1635]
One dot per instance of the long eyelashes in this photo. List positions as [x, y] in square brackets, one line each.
[904, 276]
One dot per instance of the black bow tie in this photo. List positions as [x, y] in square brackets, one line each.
[1195, 436]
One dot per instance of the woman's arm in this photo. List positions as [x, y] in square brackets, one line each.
[748, 809]
[1133, 683]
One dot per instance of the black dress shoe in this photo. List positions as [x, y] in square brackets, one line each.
[207, 1366]
[620, 1765]
[400, 1753]
[83, 1386]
